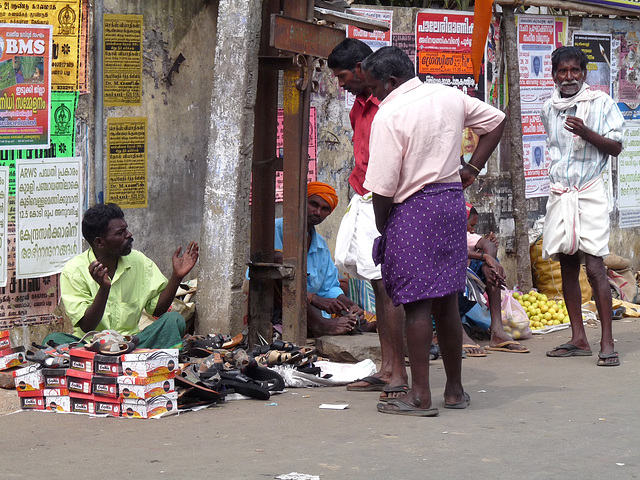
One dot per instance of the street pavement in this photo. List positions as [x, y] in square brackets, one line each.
[531, 417]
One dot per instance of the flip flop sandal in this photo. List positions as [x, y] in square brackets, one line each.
[603, 357]
[270, 379]
[275, 357]
[47, 360]
[384, 396]
[190, 380]
[375, 385]
[244, 385]
[404, 408]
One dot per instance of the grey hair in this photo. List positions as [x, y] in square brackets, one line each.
[389, 62]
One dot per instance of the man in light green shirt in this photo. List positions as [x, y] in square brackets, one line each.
[108, 286]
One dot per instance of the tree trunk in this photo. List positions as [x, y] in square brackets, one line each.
[514, 131]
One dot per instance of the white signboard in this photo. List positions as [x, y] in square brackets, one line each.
[629, 177]
[48, 234]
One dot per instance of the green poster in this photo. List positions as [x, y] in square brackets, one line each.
[63, 111]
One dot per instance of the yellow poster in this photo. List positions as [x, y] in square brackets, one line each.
[122, 60]
[64, 15]
[127, 162]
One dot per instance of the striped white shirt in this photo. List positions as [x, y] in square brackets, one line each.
[576, 169]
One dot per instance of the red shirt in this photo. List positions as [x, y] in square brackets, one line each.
[361, 116]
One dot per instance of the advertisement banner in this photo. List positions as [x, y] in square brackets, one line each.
[127, 162]
[122, 60]
[629, 178]
[63, 108]
[48, 204]
[629, 72]
[443, 50]
[4, 204]
[597, 47]
[64, 16]
[25, 85]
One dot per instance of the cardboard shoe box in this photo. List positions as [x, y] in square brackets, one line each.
[104, 386]
[55, 377]
[149, 362]
[107, 406]
[81, 359]
[151, 407]
[5, 341]
[82, 403]
[145, 387]
[12, 357]
[29, 378]
[32, 403]
[108, 365]
[60, 403]
[79, 382]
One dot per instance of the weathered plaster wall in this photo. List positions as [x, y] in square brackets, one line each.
[178, 118]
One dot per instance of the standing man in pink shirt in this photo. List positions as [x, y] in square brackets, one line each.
[415, 176]
[358, 230]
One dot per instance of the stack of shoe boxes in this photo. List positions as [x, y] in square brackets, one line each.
[92, 382]
[147, 384]
[9, 357]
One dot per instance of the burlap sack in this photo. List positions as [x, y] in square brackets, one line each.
[547, 278]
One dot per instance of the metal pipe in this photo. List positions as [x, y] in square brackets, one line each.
[98, 160]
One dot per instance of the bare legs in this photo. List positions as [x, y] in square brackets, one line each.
[419, 333]
[570, 265]
[390, 330]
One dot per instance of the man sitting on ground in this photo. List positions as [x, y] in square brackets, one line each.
[324, 295]
[482, 253]
[107, 286]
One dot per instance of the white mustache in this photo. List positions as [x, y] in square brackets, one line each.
[568, 84]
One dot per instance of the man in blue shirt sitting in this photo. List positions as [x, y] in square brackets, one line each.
[324, 295]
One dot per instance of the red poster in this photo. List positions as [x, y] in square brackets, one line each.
[25, 85]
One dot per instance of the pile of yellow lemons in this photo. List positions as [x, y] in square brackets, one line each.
[541, 311]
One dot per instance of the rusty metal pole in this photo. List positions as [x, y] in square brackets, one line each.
[296, 100]
[263, 173]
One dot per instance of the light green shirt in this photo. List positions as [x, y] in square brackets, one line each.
[136, 285]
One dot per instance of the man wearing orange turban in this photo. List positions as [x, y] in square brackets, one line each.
[324, 294]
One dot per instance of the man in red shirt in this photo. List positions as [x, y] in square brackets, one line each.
[354, 243]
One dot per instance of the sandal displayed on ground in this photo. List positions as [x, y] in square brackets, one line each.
[384, 396]
[460, 405]
[395, 406]
[109, 342]
[504, 347]
[571, 351]
[375, 384]
[468, 349]
[603, 357]
[48, 358]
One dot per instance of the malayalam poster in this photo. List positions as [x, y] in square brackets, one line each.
[536, 41]
[27, 301]
[65, 17]
[443, 50]
[4, 196]
[48, 203]
[405, 42]
[375, 39]
[629, 72]
[629, 178]
[63, 108]
[25, 85]
[597, 47]
[127, 162]
[122, 60]
[312, 173]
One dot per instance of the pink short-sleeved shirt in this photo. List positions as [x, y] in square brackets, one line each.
[416, 137]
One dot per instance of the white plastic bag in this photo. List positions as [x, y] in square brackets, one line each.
[515, 320]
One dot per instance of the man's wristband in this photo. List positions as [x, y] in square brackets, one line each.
[469, 164]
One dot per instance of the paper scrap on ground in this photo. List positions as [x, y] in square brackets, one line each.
[297, 476]
[339, 406]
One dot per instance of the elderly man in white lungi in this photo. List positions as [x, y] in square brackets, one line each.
[584, 127]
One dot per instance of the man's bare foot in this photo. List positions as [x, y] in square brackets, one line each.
[394, 391]
[470, 347]
[334, 326]
[498, 338]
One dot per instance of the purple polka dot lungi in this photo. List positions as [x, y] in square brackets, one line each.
[423, 249]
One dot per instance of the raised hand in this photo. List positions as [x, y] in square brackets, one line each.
[100, 274]
[182, 264]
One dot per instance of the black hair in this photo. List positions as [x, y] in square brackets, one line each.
[96, 220]
[565, 53]
[348, 53]
[473, 211]
[389, 62]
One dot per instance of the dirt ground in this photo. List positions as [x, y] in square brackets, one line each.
[530, 417]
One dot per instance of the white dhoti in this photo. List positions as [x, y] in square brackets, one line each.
[354, 242]
[577, 221]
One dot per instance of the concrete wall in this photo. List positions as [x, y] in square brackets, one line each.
[178, 118]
